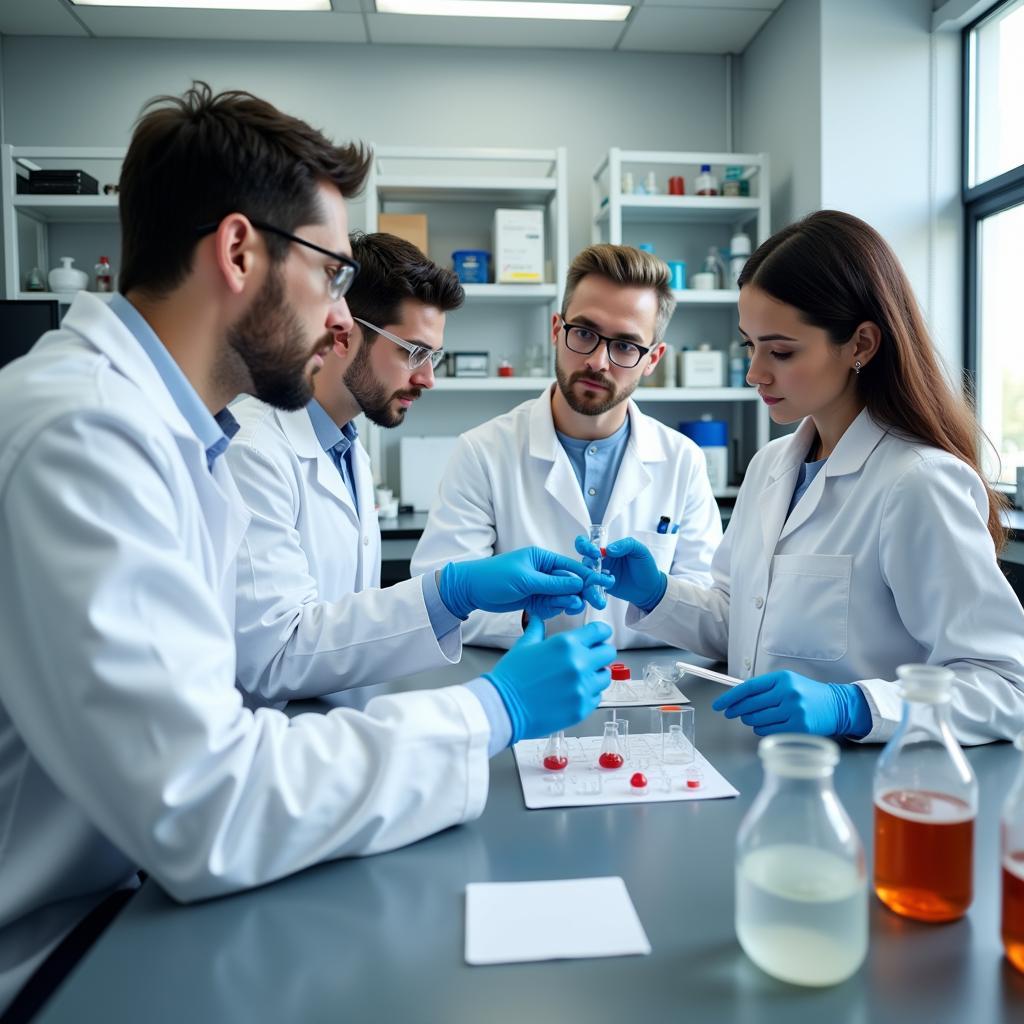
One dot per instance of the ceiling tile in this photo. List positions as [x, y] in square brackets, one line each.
[249, 26]
[440, 31]
[38, 18]
[690, 30]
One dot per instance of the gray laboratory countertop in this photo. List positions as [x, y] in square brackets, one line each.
[381, 938]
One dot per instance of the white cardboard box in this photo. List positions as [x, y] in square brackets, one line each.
[519, 246]
[422, 462]
[703, 369]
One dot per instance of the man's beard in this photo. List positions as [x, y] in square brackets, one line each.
[603, 402]
[373, 399]
[268, 340]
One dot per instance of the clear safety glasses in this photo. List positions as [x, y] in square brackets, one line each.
[418, 354]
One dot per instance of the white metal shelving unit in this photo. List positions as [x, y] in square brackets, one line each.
[617, 215]
[489, 177]
[40, 211]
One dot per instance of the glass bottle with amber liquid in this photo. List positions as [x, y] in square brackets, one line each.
[1013, 868]
[926, 800]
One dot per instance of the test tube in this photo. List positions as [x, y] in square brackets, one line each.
[599, 538]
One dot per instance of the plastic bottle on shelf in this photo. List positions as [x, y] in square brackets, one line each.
[926, 800]
[714, 264]
[104, 275]
[739, 253]
[737, 366]
[707, 183]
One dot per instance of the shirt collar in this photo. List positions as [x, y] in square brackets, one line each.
[578, 444]
[328, 433]
[214, 432]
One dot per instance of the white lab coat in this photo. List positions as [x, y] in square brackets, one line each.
[509, 484]
[123, 739]
[885, 560]
[310, 618]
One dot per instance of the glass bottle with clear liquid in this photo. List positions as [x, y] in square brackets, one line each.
[926, 800]
[1013, 868]
[801, 880]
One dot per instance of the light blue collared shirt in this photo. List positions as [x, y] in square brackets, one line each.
[596, 465]
[214, 432]
[808, 471]
[337, 442]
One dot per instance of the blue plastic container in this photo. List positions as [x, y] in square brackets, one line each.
[706, 433]
[472, 266]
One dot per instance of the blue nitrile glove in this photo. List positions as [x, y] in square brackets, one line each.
[552, 684]
[537, 581]
[787, 702]
[638, 579]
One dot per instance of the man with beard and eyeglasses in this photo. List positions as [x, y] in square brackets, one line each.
[582, 453]
[124, 741]
[311, 556]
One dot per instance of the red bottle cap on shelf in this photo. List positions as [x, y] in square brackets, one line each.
[619, 670]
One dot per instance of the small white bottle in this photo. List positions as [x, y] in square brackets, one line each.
[739, 253]
[104, 275]
[707, 183]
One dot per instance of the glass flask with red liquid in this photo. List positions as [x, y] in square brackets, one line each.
[1013, 868]
[556, 754]
[611, 755]
[926, 800]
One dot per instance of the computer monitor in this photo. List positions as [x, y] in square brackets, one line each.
[22, 322]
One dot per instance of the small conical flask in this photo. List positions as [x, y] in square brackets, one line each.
[618, 688]
[556, 753]
[926, 800]
[1013, 868]
[611, 747]
[801, 881]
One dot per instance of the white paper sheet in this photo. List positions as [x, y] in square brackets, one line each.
[513, 922]
[584, 784]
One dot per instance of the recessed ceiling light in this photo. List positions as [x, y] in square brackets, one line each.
[506, 9]
[215, 5]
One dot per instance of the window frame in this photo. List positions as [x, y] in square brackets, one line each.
[980, 202]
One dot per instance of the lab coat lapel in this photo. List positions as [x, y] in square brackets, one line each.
[634, 477]
[298, 428]
[778, 491]
[561, 482]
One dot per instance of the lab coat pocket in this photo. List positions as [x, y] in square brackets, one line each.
[661, 545]
[808, 607]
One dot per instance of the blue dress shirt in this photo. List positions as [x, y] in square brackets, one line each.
[596, 465]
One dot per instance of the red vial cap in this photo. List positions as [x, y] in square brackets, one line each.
[619, 670]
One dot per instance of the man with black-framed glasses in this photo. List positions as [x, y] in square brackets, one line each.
[582, 452]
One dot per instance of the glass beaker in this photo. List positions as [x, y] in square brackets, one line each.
[1013, 868]
[659, 680]
[556, 753]
[611, 755]
[926, 799]
[801, 883]
[675, 725]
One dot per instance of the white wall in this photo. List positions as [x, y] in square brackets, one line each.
[778, 106]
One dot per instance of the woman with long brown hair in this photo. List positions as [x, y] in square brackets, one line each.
[865, 539]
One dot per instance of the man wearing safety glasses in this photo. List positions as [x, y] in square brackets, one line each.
[314, 542]
[582, 452]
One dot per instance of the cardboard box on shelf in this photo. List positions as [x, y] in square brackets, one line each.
[410, 226]
[519, 246]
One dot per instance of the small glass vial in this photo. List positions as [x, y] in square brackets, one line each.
[801, 883]
[598, 536]
[1013, 868]
[611, 755]
[926, 800]
[707, 183]
[556, 753]
[104, 275]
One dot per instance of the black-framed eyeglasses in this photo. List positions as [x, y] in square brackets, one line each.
[583, 340]
[418, 354]
[339, 278]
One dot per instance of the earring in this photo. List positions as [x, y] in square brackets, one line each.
[856, 367]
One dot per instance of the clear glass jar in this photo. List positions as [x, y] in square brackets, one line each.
[926, 800]
[801, 881]
[1013, 868]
